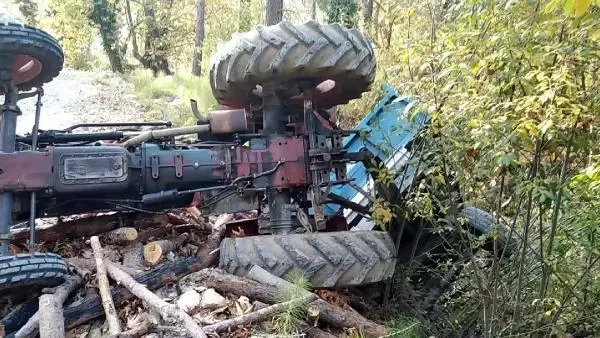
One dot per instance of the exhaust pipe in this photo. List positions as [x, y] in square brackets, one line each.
[216, 122]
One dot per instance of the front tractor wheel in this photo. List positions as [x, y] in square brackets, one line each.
[327, 260]
[25, 271]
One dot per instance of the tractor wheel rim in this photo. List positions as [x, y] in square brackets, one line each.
[25, 68]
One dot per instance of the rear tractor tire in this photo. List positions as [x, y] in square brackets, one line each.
[327, 259]
[286, 53]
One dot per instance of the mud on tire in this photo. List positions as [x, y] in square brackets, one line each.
[328, 259]
[31, 270]
[287, 52]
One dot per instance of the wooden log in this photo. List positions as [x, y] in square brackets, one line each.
[164, 231]
[19, 316]
[176, 219]
[89, 226]
[149, 298]
[162, 274]
[155, 251]
[119, 236]
[330, 314]
[52, 324]
[219, 280]
[133, 258]
[61, 292]
[110, 312]
[158, 277]
[256, 316]
[85, 266]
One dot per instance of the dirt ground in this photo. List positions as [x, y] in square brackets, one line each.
[81, 96]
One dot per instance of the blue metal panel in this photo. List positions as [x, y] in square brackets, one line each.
[385, 131]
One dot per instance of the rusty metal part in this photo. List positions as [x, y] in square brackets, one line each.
[162, 133]
[290, 151]
[26, 171]
[227, 121]
[25, 68]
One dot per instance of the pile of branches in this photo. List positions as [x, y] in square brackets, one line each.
[136, 275]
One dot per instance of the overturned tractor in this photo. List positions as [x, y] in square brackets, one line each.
[273, 146]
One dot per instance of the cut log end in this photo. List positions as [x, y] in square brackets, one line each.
[153, 252]
[120, 236]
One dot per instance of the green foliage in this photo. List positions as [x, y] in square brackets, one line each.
[68, 21]
[511, 89]
[168, 97]
[342, 11]
[286, 322]
[104, 15]
[29, 9]
[404, 327]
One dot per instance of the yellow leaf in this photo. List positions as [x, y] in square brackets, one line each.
[581, 7]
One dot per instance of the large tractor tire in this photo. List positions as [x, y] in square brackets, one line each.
[327, 259]
[25, 271]
[285, 53]
[36, 56]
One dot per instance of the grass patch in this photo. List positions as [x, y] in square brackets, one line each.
[168, 97]
[405, 327]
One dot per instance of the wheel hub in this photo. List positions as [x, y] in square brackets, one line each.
[25, 68]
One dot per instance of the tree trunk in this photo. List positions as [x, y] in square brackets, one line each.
[274, 12]
[367, 13]
[105, 17]
[199, 39]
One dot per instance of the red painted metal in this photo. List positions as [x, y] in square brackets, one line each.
[26, 171]
[25, 68]
[290, 151]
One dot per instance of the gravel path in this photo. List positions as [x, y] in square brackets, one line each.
[81, 96]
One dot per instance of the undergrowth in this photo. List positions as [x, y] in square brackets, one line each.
[285, 323]
[168, 97]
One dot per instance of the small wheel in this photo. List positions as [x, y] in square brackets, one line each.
[36, 56]
[482, 222]
[285, 53]
[25, 271]
[327, 259]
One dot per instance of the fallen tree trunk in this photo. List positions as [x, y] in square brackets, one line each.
[61, 292]
[218, 279]
[149, 298]
[90, 226]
